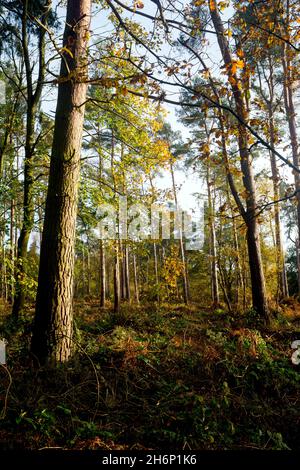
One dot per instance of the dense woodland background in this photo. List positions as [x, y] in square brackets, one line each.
[144, 344]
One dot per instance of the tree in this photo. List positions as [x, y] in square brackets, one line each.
[259, 296]
[53, 324]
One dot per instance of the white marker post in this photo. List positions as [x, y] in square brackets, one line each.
[2, 92]
[2, 351]
[296, 354]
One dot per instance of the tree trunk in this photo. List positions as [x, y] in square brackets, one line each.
[122, 270]
[282, 288]
[181, 245]
[291, 118]
[88, 270]
[127, 272]
[102, 275]
[117, 287]
[136, 282]
[281, 271]
[33, 98]
[259, 296]
[157, 285]
[12, 251]
[53, 326]
[212, 242]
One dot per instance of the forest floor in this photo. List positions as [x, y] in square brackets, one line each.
[156, 378]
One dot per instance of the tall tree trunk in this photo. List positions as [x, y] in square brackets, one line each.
[12, 251]
[122, 270]
[88, 270]
[102, 275]
[33, 99]
[136, 282]
[53, 326]
[127, 272]
[117, 287]
[282, 287]
[281, 271]
[291, 119]
[103, 281]
[259, 296]
[157, 284]
[181, 245]
[212, 239]
[107, 272]
[238, 269]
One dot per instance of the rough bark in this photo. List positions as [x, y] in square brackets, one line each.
[53, 326]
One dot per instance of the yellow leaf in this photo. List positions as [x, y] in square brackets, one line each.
[240, 64]
[65, 49]
[233, 68]
[212, 5]
[228, 33]
[223, 5]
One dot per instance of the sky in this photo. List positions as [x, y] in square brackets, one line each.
[187, 181]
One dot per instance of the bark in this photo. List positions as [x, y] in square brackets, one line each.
[107, 271]
[122, 271]
[136, 282]
[12, 251]
[102, 275]
[238, 274]
[127, 273]
[88, 271]
[156, 272]
[117, 287]
[53, 326]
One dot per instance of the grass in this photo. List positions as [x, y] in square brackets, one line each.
[156, 378]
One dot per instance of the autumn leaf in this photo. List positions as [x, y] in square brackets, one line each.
[240, 64]
[222, 5]
[124, 91]
[212, 5]
[139, 4]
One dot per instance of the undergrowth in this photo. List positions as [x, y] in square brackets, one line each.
[155, 378]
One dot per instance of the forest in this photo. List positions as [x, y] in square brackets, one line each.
[150, 225]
